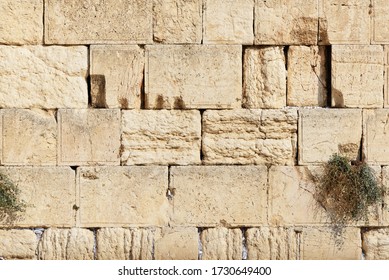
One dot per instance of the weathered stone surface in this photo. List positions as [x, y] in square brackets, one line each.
[264, 77]
[229, 22]
[249, 137]
[43, 77]
[177, 244]
[306, 76]
[123, 196]
[212, 195]
[323, 132]
[222, 244]
[92, 22]
[88, 137]
[375, 244]
[380, 22]
[177, 21]
[186, 77]
[17, 244]
[116, 76]
[283, 22]
[386, 76]
[161, 137]
[66, 244]
[385, 182]
[357, 76]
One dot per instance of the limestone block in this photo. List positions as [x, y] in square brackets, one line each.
[66, 244]
[385, 183]
[222, 244]
[380, 22]
[177, 21]
[98, 22]
[214, 195]
[43, 77]
[386, 76]
[229, 22]
[142, 246]
[161, 137]
[122, 196]
[307, 76]
[116, 76]
[323, 132]
[249, 137]
[357, 76]
[193, 76]
[88, 137]
[177, 244]
[284, 22]
[375, 244]
[17, 244]
[49, 193]
[264, 76]
[21, 22]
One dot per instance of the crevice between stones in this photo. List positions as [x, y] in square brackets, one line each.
[200, 244]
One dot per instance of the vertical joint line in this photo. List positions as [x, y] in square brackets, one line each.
[328, 55]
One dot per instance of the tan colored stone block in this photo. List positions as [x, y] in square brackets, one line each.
[380, 22]
[324, 132]
[95, 22]
[284, 22]
[375, 244]
[197, 76]
[357, 76]
[222, 244]
[177, 21]
[88, 137]
[161, 137]
[212, 195]
[249, 137]
[177, 244]
[229, 22]
[116, 76]
[307, 76]
[123, 196]
[386, 76]
[264, 78]
[17, 244]
[43, 77]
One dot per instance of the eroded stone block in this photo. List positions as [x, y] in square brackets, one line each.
[380, 22]
[375, 244]
[177, 244]
[222, 244]
[17, 244]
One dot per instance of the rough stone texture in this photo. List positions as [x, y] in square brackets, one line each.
[228, 22]
[49, 193]
[323, 132]
[17, 244]
[222, 244]
[116, 76]
[43, 77]
[284, 22]
[123, 196]
[161, 137]
[29, 137]
[186, 77]
[386, 76]
[264, 78]
[177, 21]
[212, 195]
[66, 244]
[385, 182]
[249, 137]
[375, 244]
[177, 244]
[357, 76]
[88, 137]
[92, 22]
[306, 76]
[380, 22]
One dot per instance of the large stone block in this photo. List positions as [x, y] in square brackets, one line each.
[386, 76]
[380, 22]
[186, 77]
[97, 22]
[17, 244]
[222, 244]
[161, 137]
[177, 244]
[375, 244]
[43, 77]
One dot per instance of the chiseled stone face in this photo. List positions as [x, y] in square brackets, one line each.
[375, 244]
[17, 244]
[222, 244]
[386, 76]
[379, 23]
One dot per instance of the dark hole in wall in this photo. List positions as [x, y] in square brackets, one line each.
[98, 91]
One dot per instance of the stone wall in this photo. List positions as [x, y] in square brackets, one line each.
[189, 129]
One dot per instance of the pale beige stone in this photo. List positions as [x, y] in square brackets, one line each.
[123, 196]
[142, 246]
[324, 132]
[375, 244]
[228, 22]
[89, 137]
[177, 244]
[380, 22]
[21, 22]
[385, 183]
[95, 21]
[284, 22]
[43, 77]
[249, 137]
[116, 76]
[264, 78]
[66, 244]
[161, 137]
[222, 244]
[386, 76]
[17, 244]
[177, 21]
[218, 195]
[357, 76]
[193, 76]
[307, 76]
